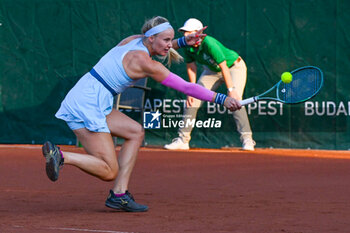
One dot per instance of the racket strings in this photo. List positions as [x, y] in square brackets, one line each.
[306, 83]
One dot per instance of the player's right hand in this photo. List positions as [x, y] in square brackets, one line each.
[232, 104]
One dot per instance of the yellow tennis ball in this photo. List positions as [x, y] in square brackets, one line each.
[286, 77]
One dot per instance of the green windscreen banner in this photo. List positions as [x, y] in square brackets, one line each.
[47, 45]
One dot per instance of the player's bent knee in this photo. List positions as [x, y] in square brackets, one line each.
[110, 175]
[141, 133]
[108, 171]
[138, 133]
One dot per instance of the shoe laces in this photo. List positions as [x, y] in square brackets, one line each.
[130, 195]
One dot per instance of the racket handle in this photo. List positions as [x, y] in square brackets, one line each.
[248, 101]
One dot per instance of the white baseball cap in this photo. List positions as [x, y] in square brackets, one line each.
[191, 24]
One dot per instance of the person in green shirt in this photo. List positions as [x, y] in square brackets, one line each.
[220, 65]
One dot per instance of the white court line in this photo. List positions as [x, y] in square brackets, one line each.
[85, 230]
[24, 146]
[77, 229]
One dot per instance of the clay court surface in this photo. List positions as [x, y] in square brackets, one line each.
[194, 191]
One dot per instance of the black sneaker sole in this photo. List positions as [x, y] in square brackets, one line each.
[113, 206]
[51, 172]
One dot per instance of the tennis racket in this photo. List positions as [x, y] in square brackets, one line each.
[306, 83]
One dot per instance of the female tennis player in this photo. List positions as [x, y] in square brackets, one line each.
[88, 108]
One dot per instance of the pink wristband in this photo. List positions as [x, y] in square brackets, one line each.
[191, 89]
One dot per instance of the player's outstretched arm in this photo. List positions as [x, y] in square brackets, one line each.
[161, 74]
[200, 92]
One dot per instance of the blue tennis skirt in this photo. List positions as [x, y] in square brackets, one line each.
[86, 105]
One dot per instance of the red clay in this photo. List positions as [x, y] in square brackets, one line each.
[193, 191]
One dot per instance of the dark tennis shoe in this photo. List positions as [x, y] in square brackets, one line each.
[125, 202]
[54, 160]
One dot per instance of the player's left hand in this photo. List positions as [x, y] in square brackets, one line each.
[196, 38]
[232, 104]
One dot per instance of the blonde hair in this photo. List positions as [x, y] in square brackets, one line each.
[172, 55]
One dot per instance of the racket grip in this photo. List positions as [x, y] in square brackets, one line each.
[248, 101]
